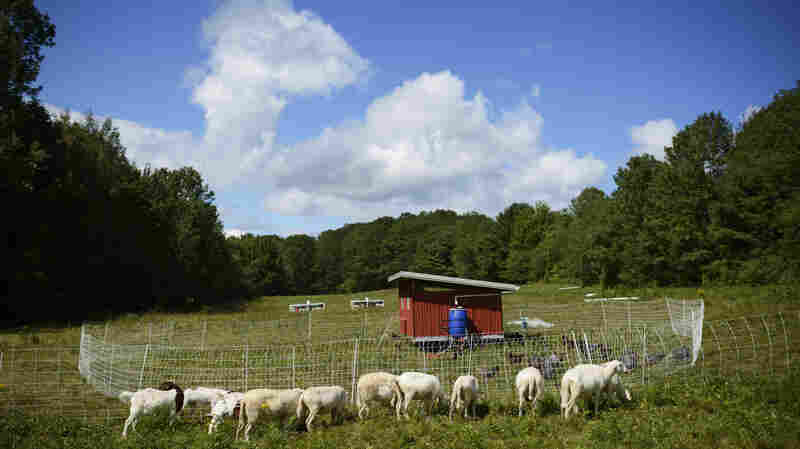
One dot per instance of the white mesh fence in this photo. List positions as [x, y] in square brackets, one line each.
[66, 380]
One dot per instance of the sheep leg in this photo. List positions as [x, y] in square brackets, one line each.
[239, 428]
[521, 394]
[407, 401]
[536, 397]
[247, 431]
[131, 419]
[363, 410]
[311, 415]
[574, 392]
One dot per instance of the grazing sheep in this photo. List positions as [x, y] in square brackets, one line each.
[379, 386]
[280, 403]
[613, 388]
[202, 395]
[530, 386]
[421, 386]
[465, 394]
[224, 405]
[587, 379]
[146, 401]
[315, 399]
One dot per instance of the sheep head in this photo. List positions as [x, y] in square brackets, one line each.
[616, 366]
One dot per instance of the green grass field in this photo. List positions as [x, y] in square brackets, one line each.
[732, 401]
[747, 412]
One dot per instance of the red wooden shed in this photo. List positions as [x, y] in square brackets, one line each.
[425, 300]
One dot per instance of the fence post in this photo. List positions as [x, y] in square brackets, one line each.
[644, 353]
[110, 384]
[603, 310]
[630, 329]
[81, 349]
[203, 335]
[769, 340]
[246, 360]
[294, 378]
[719, 347]
[578, 355]
[586, 344]
[469, 356]
[786, 342]
[144, 362]
[355, 371]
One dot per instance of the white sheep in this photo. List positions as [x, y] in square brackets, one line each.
[464, 395]
[280, 403]
[314, 399]
[202, 395]
[224, 405]
[530, 386]
[420, 386]
[380, 387]
[613, 388]
[147, 401]
[588, 379]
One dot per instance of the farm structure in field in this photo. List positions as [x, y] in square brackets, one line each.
[306, 306]
[366, 303]
[429, 304]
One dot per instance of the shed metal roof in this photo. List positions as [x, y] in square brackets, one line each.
[452, 280]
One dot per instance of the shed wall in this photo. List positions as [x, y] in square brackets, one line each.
[424, 313]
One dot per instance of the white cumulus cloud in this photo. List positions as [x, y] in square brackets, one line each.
[653, 136]
[143, 145]
[262, 54]
[748, 113]
[234, 232]
[423, 146]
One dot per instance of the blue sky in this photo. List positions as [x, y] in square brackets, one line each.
[308, 115]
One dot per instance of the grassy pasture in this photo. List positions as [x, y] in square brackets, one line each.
[701, 412]
[744, 348]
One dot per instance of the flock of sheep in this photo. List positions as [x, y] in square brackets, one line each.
[397, 391]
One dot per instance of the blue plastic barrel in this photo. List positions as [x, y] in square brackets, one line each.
[457, 322]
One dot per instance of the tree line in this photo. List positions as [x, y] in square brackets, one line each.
[89, 233]
[86, 232]
[723, 207]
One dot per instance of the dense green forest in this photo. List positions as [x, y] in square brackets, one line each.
[89, 233]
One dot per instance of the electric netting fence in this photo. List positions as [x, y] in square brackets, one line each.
[66, 380]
